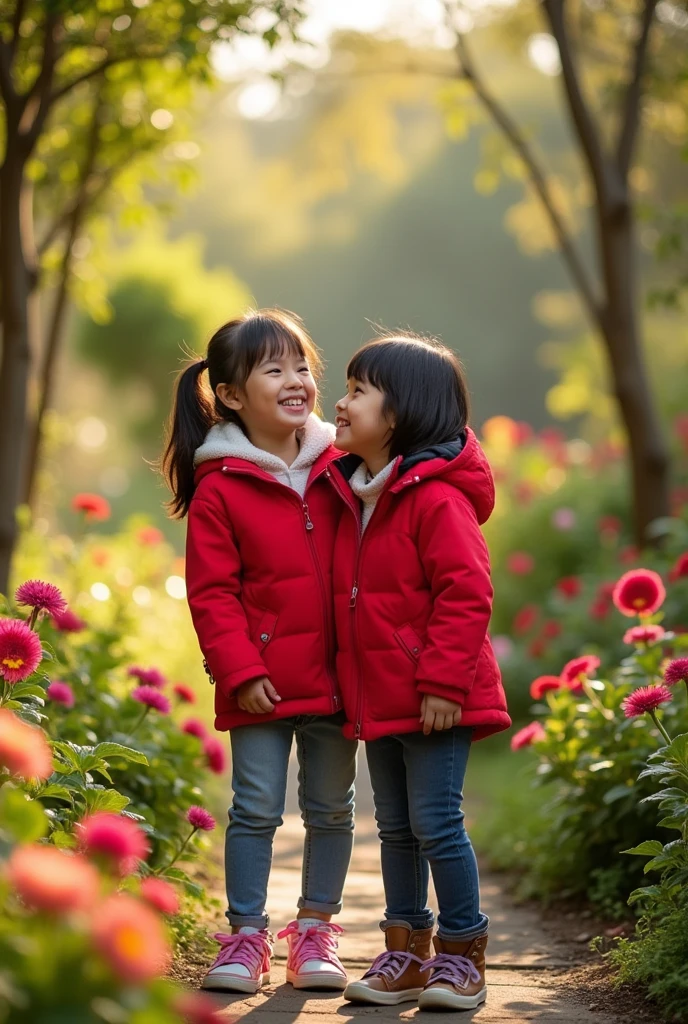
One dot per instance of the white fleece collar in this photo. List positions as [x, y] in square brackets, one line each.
[227, 440]
[369, 488]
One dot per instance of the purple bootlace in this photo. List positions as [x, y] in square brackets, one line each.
[454, 969]
[391, 964]
[248, 949]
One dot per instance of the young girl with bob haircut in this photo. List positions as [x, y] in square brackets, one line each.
[419, 679]
[246, 461]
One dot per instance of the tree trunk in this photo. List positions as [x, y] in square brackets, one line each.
[17, 279]
[648, 450]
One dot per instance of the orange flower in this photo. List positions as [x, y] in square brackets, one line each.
[48, 879]
[24, 749]
[131, 939]
[93, 506]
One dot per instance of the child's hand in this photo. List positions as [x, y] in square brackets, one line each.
[437, 713]
[258, 696]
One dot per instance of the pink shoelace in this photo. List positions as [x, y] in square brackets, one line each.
[250, 950]
[315, 943]
[456, 970]
[391, 964]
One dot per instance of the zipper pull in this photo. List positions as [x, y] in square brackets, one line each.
[309, 524]
[354, 595]
[357, 733]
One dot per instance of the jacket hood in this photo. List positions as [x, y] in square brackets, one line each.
[228, 441]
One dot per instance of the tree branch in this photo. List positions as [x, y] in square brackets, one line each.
[86, 201]
[16, 25]
[7, 90]
[37, 99]
[631, 105]
[109, 62]
[537, 177]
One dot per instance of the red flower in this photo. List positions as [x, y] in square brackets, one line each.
[523, 433]
[609, 527]
[525, 619]
[195, 727]
[148, 676]
[20, 650]
[24, 750]
[215, 753]
[537, 648]
[639, 592]
[198, 817]
[185, 694]
[569, 587]
[116, 839]
[68, 622]
[196, 1008]
[520, 563]
[599, 609]
[93, 506]
[644, 700]
[680, 568]
[52, 881]
[61, 693]
[676, 671]
[629, 555]
[160, 895]
[150, 536]
[542, 684]
[131, 939]
[577, 671]
[43, 597]
[642, 635]
[552, 629]
[532, 733]
[152, 698]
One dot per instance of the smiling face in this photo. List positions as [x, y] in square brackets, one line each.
[362, 426]
[277, 398]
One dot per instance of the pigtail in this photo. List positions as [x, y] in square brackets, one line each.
[193, 414]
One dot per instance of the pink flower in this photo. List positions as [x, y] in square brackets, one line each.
[680, 568]
[576, 671]
[199, 818]
[542, 684]
[51, 881]
[194, 727]
[639, 592]
[61, 693]
[185, 694]
[196, 1008]
[160, 895]
[520, 563]
[643, 635]
[676, 671]
[92, 505]
[42, 597]
[644, 700]
[24, 750]
[564, 519]
[215, 753]
[152, 698]
[131, 939]
[149, 536]
[525, 619]
[68, 622]
[569, 587]
[20, 650]
[116, 839]
[533, 733]
[148, 676]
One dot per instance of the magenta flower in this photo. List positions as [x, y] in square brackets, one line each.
[532, 733]
[645, 700]
[40, 597]
[676, 672]
[116, 839]
[152, 698]
[215, 753]
[639, 592]
[643, 635]
[20, 650]
[68, 622]
[576, 671]
[199, 818]
[61, 693]
[148, 676]
[194, 727]
[185, 694]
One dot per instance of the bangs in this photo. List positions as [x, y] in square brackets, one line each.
[262, 338]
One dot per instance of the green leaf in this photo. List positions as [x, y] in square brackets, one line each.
[64, 840]
[105, 750]
[616, 793]
[55, 791]
[650, 848]
[24, 819]
[105, 800]
[643, 892]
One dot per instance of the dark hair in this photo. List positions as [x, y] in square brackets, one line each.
[424, 387]
[233, 352]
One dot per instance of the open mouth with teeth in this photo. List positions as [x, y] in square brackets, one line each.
[341, 422]
[293, 403]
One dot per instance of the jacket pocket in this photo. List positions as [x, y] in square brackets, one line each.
[265, 630]
[408, 640]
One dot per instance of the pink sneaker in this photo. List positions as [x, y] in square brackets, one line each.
[243, 963]
[313, 960]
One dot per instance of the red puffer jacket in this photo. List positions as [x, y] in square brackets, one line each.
[259, 582]
[413, 595]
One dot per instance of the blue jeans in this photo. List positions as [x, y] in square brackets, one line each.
[417, 782]
[327, 768]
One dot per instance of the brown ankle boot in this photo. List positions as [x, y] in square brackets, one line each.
[457, 976]
[395, 976]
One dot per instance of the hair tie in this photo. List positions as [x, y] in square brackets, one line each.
[203, 365]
